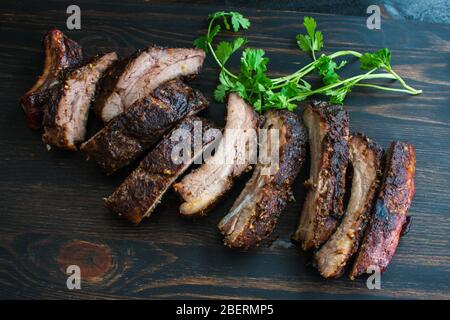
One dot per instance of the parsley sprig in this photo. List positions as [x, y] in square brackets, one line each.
[253, 84]
[313, 40]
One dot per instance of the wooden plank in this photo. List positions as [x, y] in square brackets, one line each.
[51, 213]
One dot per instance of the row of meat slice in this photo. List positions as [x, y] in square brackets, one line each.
[257, 209]
[62, 96]
[142, 190]
[240, 118]
[366, 159]
[323, 223]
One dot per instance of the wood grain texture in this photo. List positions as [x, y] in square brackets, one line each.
[51, 212]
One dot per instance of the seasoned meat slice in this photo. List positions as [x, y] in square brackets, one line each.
[137, 76]
[205, 186]
[143, 189]
[328, 138]
[255, 212]
[366, 158]
[131, 133]
[61, 53]
[66, 116]
[390, 213]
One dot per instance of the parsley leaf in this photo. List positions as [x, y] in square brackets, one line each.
[376, 60]
[201, 43]
[327, 69]
[253, 60]
[226, 84]
[225, 23]
[220, 92]
[313, 40]
[238, 21]
[214, 32]
[240, 89]
[253, 71]
[258, 105]
[225, 49]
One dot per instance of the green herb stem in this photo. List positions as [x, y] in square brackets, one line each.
[353, 80]
[211, 49]
[403, 83]
[371, 85]
[311, 66]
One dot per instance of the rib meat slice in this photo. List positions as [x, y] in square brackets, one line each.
[366, 158]
[66, 116]
[204, 187]
[138, 75]
[142, 190]
[257, 209]
[390, 215]
[328, 136]
[131, 133]
[61, 53]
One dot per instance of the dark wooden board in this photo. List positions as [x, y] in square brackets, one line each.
[51, 213]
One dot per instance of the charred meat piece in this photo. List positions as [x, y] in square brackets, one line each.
[141, 192]
[142, 125]
[204, 187]
[137, 76]
[66, 115]
[257, 209]
[61, 54]
[328, 138]
[366, 158]
[390, 212]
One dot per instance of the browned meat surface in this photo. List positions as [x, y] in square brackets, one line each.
[205, 186]
[137, 76]
[328, 139]
[366, 158]
[390, 216]
[131, 133]
[61, 53]
[143, 189]
[67, 111]
[257, 209]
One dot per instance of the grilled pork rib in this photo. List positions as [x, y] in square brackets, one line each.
[204, 187]
[143, 189]
[61, 53]
[131, 133]
[366, 158]
[390, 212]
[328, 136]
[137, 76]
[66, 115]
[256, 210]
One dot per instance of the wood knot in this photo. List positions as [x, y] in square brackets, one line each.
[94, 259]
